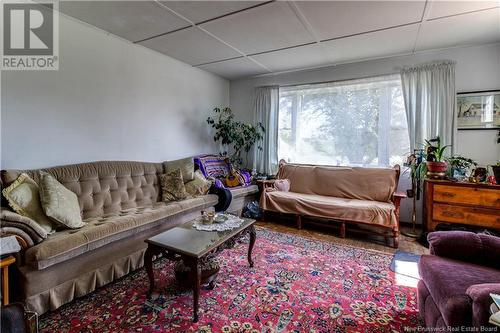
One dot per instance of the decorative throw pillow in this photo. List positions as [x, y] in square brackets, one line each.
[199, 185]
[59, 203]
[24, 198]
[282, 185]
[172, 186]
[186, 165]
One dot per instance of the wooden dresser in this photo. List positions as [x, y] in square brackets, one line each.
[461, 203]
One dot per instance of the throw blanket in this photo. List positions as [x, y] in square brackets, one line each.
[214, 168]
[21, 226]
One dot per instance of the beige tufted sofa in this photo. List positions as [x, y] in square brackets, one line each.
[121, 205]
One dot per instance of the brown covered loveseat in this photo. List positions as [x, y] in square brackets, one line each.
[344, 194]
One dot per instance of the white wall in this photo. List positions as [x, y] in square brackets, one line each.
[110, 99]
[478, 68]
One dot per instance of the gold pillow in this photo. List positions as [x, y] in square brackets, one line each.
[199, 186]
[186, 165]
[172, 186]
[24, 198]
[59, 203]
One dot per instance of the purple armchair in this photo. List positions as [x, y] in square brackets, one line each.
[457, 278]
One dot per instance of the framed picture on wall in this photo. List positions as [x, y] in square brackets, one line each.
[478, 110]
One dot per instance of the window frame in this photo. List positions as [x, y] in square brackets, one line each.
[384, 115]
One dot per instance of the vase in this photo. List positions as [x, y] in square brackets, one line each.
[436, 170]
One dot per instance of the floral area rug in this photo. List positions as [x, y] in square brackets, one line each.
[297, 285]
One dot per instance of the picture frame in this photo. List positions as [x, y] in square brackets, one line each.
[478, 110]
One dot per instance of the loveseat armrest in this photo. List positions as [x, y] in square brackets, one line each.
[265, 183]
[466, 246]
[481, 301]
[397, 197]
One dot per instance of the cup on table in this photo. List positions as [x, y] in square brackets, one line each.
[207, 217]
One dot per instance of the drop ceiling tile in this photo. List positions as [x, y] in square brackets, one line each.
[373, 45]
[235, 68]
[295, 58]
[199, 11]
[132, 20]
[331, 19]
[192, 46]
[264, 28]
[467, 29]
[447, 8]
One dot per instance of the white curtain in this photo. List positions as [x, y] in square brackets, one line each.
[266, 106]
[429, 94]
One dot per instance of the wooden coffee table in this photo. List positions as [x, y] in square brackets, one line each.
[194, 247]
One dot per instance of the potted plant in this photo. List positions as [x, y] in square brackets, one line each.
[436, 165]
[235, 137]
[460, 167]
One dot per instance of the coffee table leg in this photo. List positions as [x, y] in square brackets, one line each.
[148, 264]
[196, 278]
[250, 245]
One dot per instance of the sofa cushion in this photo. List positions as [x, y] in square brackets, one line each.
[99, 231]
[172, 186]
[199, 185]
[23, 195]
[59, 203]
[186, 165]
[364, 211]
[448, 280]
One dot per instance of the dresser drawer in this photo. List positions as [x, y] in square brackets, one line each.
[466, 215]
[467, 195]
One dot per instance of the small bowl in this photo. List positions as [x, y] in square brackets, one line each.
[220, 218]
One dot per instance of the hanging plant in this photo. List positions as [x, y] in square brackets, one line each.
[236, 138]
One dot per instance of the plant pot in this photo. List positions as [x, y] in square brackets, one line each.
[436, 170]
[496, 172]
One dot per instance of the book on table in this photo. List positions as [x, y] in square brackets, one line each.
[495, 310]
[495, 319]
[496, 299]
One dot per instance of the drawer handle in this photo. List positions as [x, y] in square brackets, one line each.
[449, 194]
[451, 214]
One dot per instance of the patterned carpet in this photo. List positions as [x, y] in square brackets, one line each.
[297, 285]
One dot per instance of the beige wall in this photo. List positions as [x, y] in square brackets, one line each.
[110, 99]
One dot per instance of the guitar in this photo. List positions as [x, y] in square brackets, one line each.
[233, 178]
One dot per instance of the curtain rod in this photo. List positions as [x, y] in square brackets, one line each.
[333, 81]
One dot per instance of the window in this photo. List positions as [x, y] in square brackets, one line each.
[355, 122]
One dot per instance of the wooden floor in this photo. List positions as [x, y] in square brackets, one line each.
[406, 244]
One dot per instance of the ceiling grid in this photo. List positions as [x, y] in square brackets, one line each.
[237, 39]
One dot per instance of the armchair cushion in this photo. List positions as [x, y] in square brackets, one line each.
[466, 246]
[481, 301]
[448, 280]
